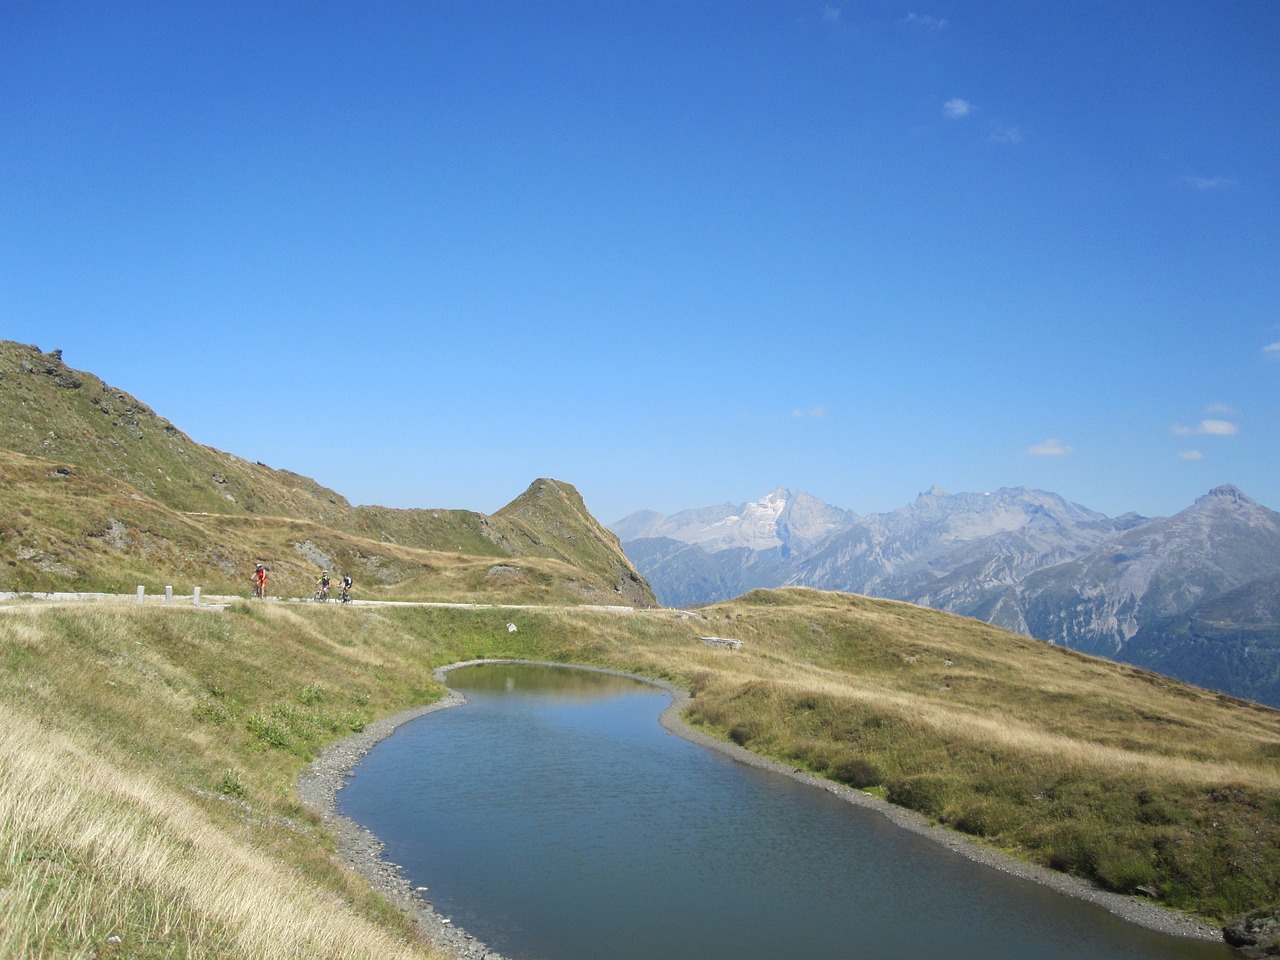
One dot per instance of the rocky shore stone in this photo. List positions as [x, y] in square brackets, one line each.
[1256, 934]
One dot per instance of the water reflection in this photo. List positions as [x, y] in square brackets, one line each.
[553, 818]
[544, 680]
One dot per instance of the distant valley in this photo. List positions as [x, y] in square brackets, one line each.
[1195, 596]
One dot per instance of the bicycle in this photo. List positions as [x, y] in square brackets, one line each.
[322, 594]
[344, 596]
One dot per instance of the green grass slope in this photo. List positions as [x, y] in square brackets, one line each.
[144, 747]
[58, 413]
[550, 520]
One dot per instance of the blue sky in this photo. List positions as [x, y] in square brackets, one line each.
[673, 253]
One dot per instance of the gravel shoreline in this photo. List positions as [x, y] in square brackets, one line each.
[319, 785]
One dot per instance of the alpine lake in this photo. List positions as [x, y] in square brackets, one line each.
[553, 818]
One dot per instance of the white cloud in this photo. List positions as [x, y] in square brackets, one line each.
[1218, 428]
[1272, 351]
[924, 20]
[1210, 428]
[1050, 448]
[956, 108]
[1190, 455]
[813, 413]
[1207, 183]
[831, 13]
[999, 133]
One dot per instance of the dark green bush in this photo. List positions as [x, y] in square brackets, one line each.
[1072, 849]
[924, 792]
[984, 819]
[855, 771]
[1125, 869]
[268, 732]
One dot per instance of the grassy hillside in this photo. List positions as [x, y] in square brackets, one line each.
[151, 753]
[1131, 780]
[71, 528]
[552, 521]
[69, 415]
[84, 433]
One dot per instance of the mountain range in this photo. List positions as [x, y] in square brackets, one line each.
[102, 493]
[1194, 596]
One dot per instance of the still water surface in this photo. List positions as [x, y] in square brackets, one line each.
[555, 819]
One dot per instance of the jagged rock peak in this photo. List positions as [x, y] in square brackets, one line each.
[1226, 491]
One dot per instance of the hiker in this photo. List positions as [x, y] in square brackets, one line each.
[260, 582]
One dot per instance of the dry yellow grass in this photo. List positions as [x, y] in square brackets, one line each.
[964, 724]
[95, 857]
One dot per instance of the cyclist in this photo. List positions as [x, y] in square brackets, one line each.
[345, 596]
[322, 586]
[259, 579]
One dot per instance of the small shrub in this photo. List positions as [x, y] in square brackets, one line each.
[267, 731]
[287, 713]
[855, 771]
[923, 792]
[1125, 869]
[1072, 850]
[1160, 811]
[817, 755]
[983, 820]
[232, 785]
[699, 680]
[206, 711]
[310, 695]
[355, 722]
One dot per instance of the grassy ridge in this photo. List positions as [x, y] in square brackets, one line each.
[71, 415]
[74, 528]
[84, 451]
[155, 753]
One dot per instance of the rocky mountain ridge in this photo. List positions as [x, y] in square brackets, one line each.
[1186, 595]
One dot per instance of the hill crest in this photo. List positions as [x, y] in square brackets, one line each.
[61, 416]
